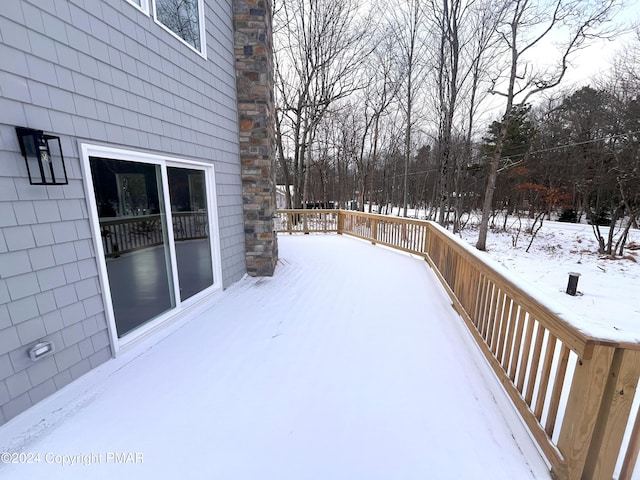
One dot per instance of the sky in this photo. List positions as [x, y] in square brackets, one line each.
[596, 59]
[597, 56]
[587, 65]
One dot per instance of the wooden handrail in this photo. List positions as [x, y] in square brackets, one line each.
[574, 391]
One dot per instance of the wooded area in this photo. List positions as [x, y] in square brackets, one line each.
[444, 107]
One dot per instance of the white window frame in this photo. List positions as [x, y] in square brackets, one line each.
[201, 23]
[182, 308]
[143, 7]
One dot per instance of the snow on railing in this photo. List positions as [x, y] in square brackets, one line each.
[573, 391]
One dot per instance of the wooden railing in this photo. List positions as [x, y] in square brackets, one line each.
[127, 234]
[573, 391]
[324, 221]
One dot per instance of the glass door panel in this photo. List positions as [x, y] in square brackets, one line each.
[133, 227]
[188, 196]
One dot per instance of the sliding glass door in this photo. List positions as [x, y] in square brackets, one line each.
[155, 234]
[187, 191]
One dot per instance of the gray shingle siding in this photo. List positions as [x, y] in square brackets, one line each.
[101, 72]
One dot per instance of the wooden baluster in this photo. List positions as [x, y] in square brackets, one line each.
[533, 366]
[544, 378]
[482, 305]
[517, 344]
[491, 314]
[506, 322]
[556, 393]
[498, 321]
[526, 353]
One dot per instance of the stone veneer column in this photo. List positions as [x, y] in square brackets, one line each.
[254, 81]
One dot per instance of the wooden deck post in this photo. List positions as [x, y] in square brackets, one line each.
[586, 396]
[427, 241]
[374, 230]
[340, 222]
[614, 414]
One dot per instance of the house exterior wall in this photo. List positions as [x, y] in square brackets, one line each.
[100, 72]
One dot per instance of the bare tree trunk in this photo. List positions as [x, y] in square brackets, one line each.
[283, 161]
[407, 29]
[407, 151]
[374, 156]
[619, 249]
[487, 203]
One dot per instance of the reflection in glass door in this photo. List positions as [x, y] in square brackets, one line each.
[133, 228]
[188, 196]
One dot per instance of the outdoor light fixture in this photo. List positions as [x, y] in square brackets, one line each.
[43, 154]
[41, 349]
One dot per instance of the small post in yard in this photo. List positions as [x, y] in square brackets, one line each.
[572, 286]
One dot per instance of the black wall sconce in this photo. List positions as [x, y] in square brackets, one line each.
[43, 154]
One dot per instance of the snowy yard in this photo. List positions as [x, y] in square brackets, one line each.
[348, 364]
[607, 302]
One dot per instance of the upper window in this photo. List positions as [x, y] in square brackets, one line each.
[184, 18]
[141, 4]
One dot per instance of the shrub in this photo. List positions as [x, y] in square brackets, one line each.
[568, 215]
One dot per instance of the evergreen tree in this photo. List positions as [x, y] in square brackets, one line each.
[520, 134]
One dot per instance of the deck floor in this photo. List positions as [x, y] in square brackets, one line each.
[348, 364]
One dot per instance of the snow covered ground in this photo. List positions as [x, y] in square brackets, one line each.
[348, 364]
[607, 303]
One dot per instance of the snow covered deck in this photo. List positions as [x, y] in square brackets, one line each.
[348, 364]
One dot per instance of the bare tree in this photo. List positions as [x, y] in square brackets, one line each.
[320, 46]
[447, 16]
[463, 39]
[623, 87]
[375, 99]
[407, 19]
[528, 23]
[480, 59]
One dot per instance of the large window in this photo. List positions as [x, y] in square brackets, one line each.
[184, 18]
